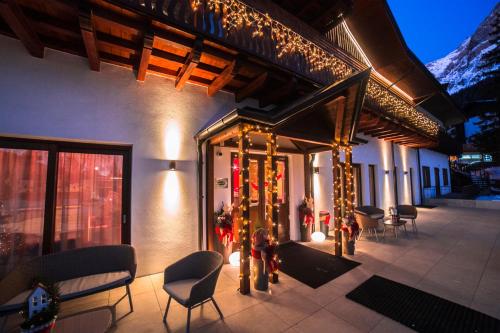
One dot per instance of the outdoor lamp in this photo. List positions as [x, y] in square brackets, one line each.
[234, 258]
[172, 165]
[386, 172]
[318, 236]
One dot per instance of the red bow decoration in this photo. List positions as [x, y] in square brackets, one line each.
[352, 229]
[225, 234]
[271, 257]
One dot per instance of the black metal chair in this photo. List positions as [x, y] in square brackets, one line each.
[191, 281]
[409, 212]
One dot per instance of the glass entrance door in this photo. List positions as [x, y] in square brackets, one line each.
[258, 193]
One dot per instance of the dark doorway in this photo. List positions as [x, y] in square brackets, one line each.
[411, 187]
[438, 182]
[373, 185]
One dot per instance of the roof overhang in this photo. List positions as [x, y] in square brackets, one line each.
[312, 120]
[375, 29]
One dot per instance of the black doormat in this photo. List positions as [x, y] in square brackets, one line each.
[420, 311]
[310, 266]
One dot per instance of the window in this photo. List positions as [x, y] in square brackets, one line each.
[445, 177]
[56, 196]
[426, 173]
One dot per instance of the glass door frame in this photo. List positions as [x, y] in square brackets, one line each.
[54, 147]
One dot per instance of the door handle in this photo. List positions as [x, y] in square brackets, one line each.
[124, 219]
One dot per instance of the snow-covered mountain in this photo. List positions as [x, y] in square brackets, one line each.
[461, 68]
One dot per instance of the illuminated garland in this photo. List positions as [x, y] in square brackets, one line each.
[399, 109]
[237, 15]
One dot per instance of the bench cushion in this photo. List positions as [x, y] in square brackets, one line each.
[180, 290]
[73, 288]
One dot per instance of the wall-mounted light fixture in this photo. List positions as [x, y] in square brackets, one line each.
[172, 165]
[406, 172]
[316, 170]
[386, 172]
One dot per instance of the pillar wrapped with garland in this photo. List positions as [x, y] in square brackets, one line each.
[337, 201]
[244, 208]
[272, 206]
[349, 184]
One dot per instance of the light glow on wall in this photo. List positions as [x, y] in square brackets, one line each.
[406, 177]
[171, 194]
[172, 140]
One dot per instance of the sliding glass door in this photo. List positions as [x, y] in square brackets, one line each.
[23, 175]
[88, 200]
[56, 196]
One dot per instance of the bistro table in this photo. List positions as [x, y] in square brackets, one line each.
[389, 222]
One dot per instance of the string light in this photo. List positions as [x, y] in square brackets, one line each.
[237, 15]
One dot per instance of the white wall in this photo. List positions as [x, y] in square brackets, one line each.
[433, 160]
[378, 153]
[296, 183]
[59, 96]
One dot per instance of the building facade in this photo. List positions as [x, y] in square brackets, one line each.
[150, 116]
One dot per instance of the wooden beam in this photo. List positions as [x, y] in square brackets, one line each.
[339, 120]
[192, 60]
[224, 78]
[86, 18]
[253, 87]
[147, 48]
[21, 26]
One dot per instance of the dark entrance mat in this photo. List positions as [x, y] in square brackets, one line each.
[311, 266]
[419, 310]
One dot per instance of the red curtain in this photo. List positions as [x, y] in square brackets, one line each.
[23, 175]
[89, 200]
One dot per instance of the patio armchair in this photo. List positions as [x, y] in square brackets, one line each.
[191, 281]
[409, 212]
[367, 218]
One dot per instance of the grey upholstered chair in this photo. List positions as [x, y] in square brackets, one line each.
[191, 281]
[367, 218]
[409, 212]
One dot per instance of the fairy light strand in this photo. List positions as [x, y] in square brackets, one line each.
[237, 15]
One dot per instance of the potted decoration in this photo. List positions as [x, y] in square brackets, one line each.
[224, 231]
[264, 258]
[41, 308]
[306, 216]
[350, 230]
[324, 222]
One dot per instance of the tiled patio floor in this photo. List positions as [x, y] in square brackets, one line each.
[456, 256]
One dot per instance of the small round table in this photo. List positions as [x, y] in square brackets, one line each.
[395, 225]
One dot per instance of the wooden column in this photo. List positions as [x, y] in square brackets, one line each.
[349, 182]
[272, 206]
[244, 208]
[337, 201]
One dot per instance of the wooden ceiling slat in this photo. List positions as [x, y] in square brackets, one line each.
[251, 88]
[147, 47]
[274, 96]
[224, 78]
[189, 65]
[86, 19]
[20, 25]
